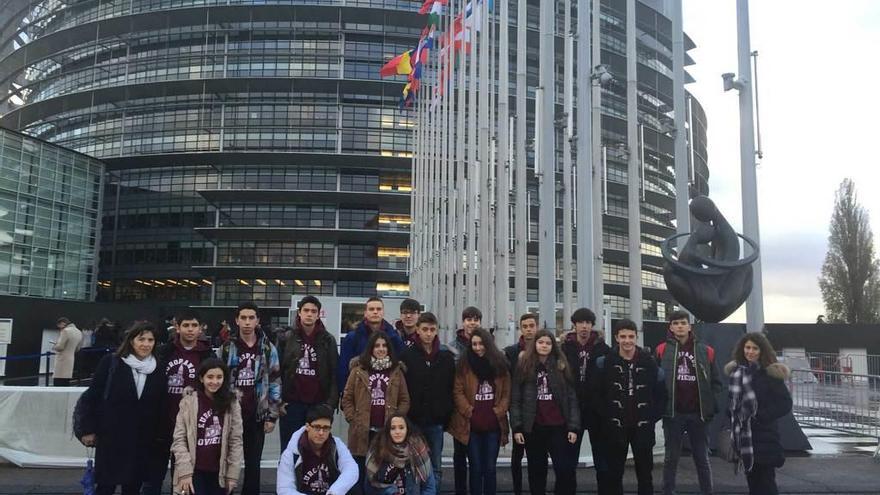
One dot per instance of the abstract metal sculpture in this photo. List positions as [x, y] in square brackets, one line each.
[707, 276]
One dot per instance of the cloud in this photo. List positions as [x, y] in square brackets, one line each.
[817, 74]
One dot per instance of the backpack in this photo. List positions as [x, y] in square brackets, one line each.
[83, 410]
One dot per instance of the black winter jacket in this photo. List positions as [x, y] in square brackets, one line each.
[587, 401]
[524, 392]
[511, 352]
[610, 383]
[430, 385]
[774, 402]
[290, 352]
[127, 427]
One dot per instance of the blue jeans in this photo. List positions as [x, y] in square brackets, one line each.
[482, 456]
[434, 436]
[292, 421]
[673, 429]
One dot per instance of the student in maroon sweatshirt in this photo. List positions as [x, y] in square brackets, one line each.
[630, 392]
[692, 384]
[482, 398]
[471, 318]
[544, 413]
[410, 309]
[207, 436]
[309, 359]
[179, 360]
[581, 348]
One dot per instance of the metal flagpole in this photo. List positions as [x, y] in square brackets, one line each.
[502, 168]
[461, 175]
[415, 215]
[751, 227]
[520, 163]
[598, 176]
[489, 273]
[441, 184]
[433, 126]
[584, 144]
[682, 213]
[633, 179]
[546, 163]
[483, 160]
[451, 164]
[473, 176]
[566, 167]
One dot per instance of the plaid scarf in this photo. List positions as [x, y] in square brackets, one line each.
[411, 456]
[743, 405]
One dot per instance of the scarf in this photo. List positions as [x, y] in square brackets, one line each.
[480, 366]
[380, 364]
[413, 453]
[140, 369]
[308, 453]
[743, 406]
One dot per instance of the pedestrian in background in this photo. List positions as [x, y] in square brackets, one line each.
[69, 341]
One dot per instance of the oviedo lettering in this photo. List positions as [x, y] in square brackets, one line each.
[246, 375]
[213, 431]
[307, 362]
[544, 392]
[186, 371]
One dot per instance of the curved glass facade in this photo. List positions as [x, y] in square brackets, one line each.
[253, 152]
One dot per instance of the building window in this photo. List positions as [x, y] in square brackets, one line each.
[358, 219]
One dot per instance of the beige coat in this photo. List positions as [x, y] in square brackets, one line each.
[356, 401]
[69, 341]
[184, 444]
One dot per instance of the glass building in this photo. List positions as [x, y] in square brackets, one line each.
[252, 151]
[50, 200]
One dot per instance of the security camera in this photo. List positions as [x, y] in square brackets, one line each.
[729, 81]
[602, 76]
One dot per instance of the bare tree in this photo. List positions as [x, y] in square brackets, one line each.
[850, 280]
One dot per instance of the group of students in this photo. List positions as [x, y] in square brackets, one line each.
[400, 389]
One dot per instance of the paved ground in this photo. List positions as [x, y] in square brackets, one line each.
[816, 474]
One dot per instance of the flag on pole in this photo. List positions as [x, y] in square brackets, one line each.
[435, 14]
[397, 65]
[408, 96]
[429, 4]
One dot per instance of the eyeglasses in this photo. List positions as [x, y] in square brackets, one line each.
[321, 428]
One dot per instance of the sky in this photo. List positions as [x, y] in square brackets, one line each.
[818, 74]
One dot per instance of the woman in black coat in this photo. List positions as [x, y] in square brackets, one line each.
[758, 397]
[125, 403]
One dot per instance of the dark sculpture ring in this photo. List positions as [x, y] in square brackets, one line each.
[716, 267]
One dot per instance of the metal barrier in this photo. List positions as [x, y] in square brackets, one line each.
[845, 402]
[81, 355]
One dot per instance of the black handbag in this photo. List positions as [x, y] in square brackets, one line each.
[84, 409]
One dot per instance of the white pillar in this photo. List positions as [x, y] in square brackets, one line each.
[755, 302]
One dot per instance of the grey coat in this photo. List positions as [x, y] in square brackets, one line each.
[524, 391]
